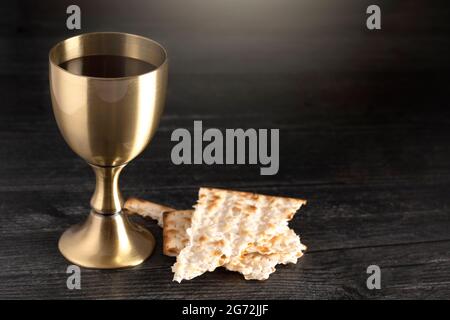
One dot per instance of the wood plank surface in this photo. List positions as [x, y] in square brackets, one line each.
[364, 123]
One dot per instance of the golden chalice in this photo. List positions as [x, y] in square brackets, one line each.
[108, 91]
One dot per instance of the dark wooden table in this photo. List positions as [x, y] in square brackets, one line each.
[365, 137]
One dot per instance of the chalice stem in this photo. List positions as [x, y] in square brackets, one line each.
[107, 198]
[107, 239]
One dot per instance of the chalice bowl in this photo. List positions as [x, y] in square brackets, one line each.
[108, 91]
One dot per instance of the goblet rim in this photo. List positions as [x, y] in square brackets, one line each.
[159, 67]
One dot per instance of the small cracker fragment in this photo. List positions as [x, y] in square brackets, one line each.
[287, 242]
[225, 223]
[257, 264]
[254, 266]
[175, 237]
[147, 209]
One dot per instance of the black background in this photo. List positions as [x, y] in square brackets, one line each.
[364, 136]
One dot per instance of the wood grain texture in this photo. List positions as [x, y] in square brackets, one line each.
[365, 137]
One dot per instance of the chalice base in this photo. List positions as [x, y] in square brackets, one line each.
[106, 242]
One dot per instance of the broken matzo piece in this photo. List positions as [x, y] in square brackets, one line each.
[225, 223]
[257, 266]
[175, 237]
[259, 261]
[287, 242]
[147, 209]
[254, 266]
[256, 263]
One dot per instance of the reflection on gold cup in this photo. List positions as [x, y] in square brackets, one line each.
[107, 121]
